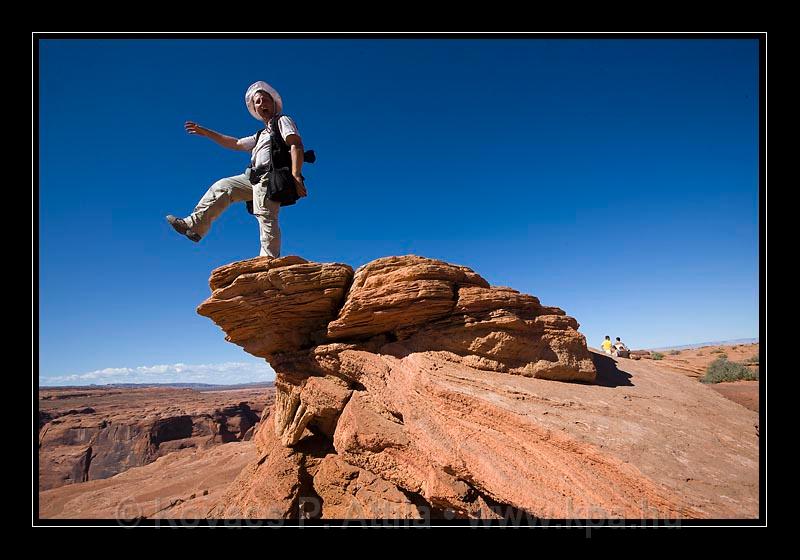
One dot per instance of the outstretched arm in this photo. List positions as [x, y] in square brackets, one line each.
[225, 141]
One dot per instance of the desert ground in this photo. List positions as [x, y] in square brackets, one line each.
[693, 363]
[623, 413]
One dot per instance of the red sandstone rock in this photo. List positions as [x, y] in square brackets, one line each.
[268, 305]
[275, 306]
[473, 443]
[432, 394]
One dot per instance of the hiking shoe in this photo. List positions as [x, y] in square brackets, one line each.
[182, 227]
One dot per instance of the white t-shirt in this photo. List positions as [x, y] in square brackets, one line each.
[261, 152]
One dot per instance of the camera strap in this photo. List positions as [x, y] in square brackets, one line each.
[274, 135]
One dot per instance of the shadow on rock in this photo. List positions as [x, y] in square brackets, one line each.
[608, 374]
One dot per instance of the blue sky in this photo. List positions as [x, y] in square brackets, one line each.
[616, 179]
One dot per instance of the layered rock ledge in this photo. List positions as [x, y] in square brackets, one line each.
[277, 306]
[412, 388]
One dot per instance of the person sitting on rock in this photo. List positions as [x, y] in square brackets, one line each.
[620, 349]
[264, 103]
[606, 346]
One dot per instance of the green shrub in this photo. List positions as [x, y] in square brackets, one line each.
[718, 351]
[674, 352]
[657, 356]
[752, 360]
[723, 370]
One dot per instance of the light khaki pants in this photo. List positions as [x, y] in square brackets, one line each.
[238, 189]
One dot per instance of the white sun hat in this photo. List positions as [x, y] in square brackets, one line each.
[262, 86]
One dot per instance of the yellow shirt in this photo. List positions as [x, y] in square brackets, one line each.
[606, 345]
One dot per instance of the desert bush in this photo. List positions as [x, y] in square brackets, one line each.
[723, 370]
[657, 356]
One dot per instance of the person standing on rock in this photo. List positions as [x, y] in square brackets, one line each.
[264, 103]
